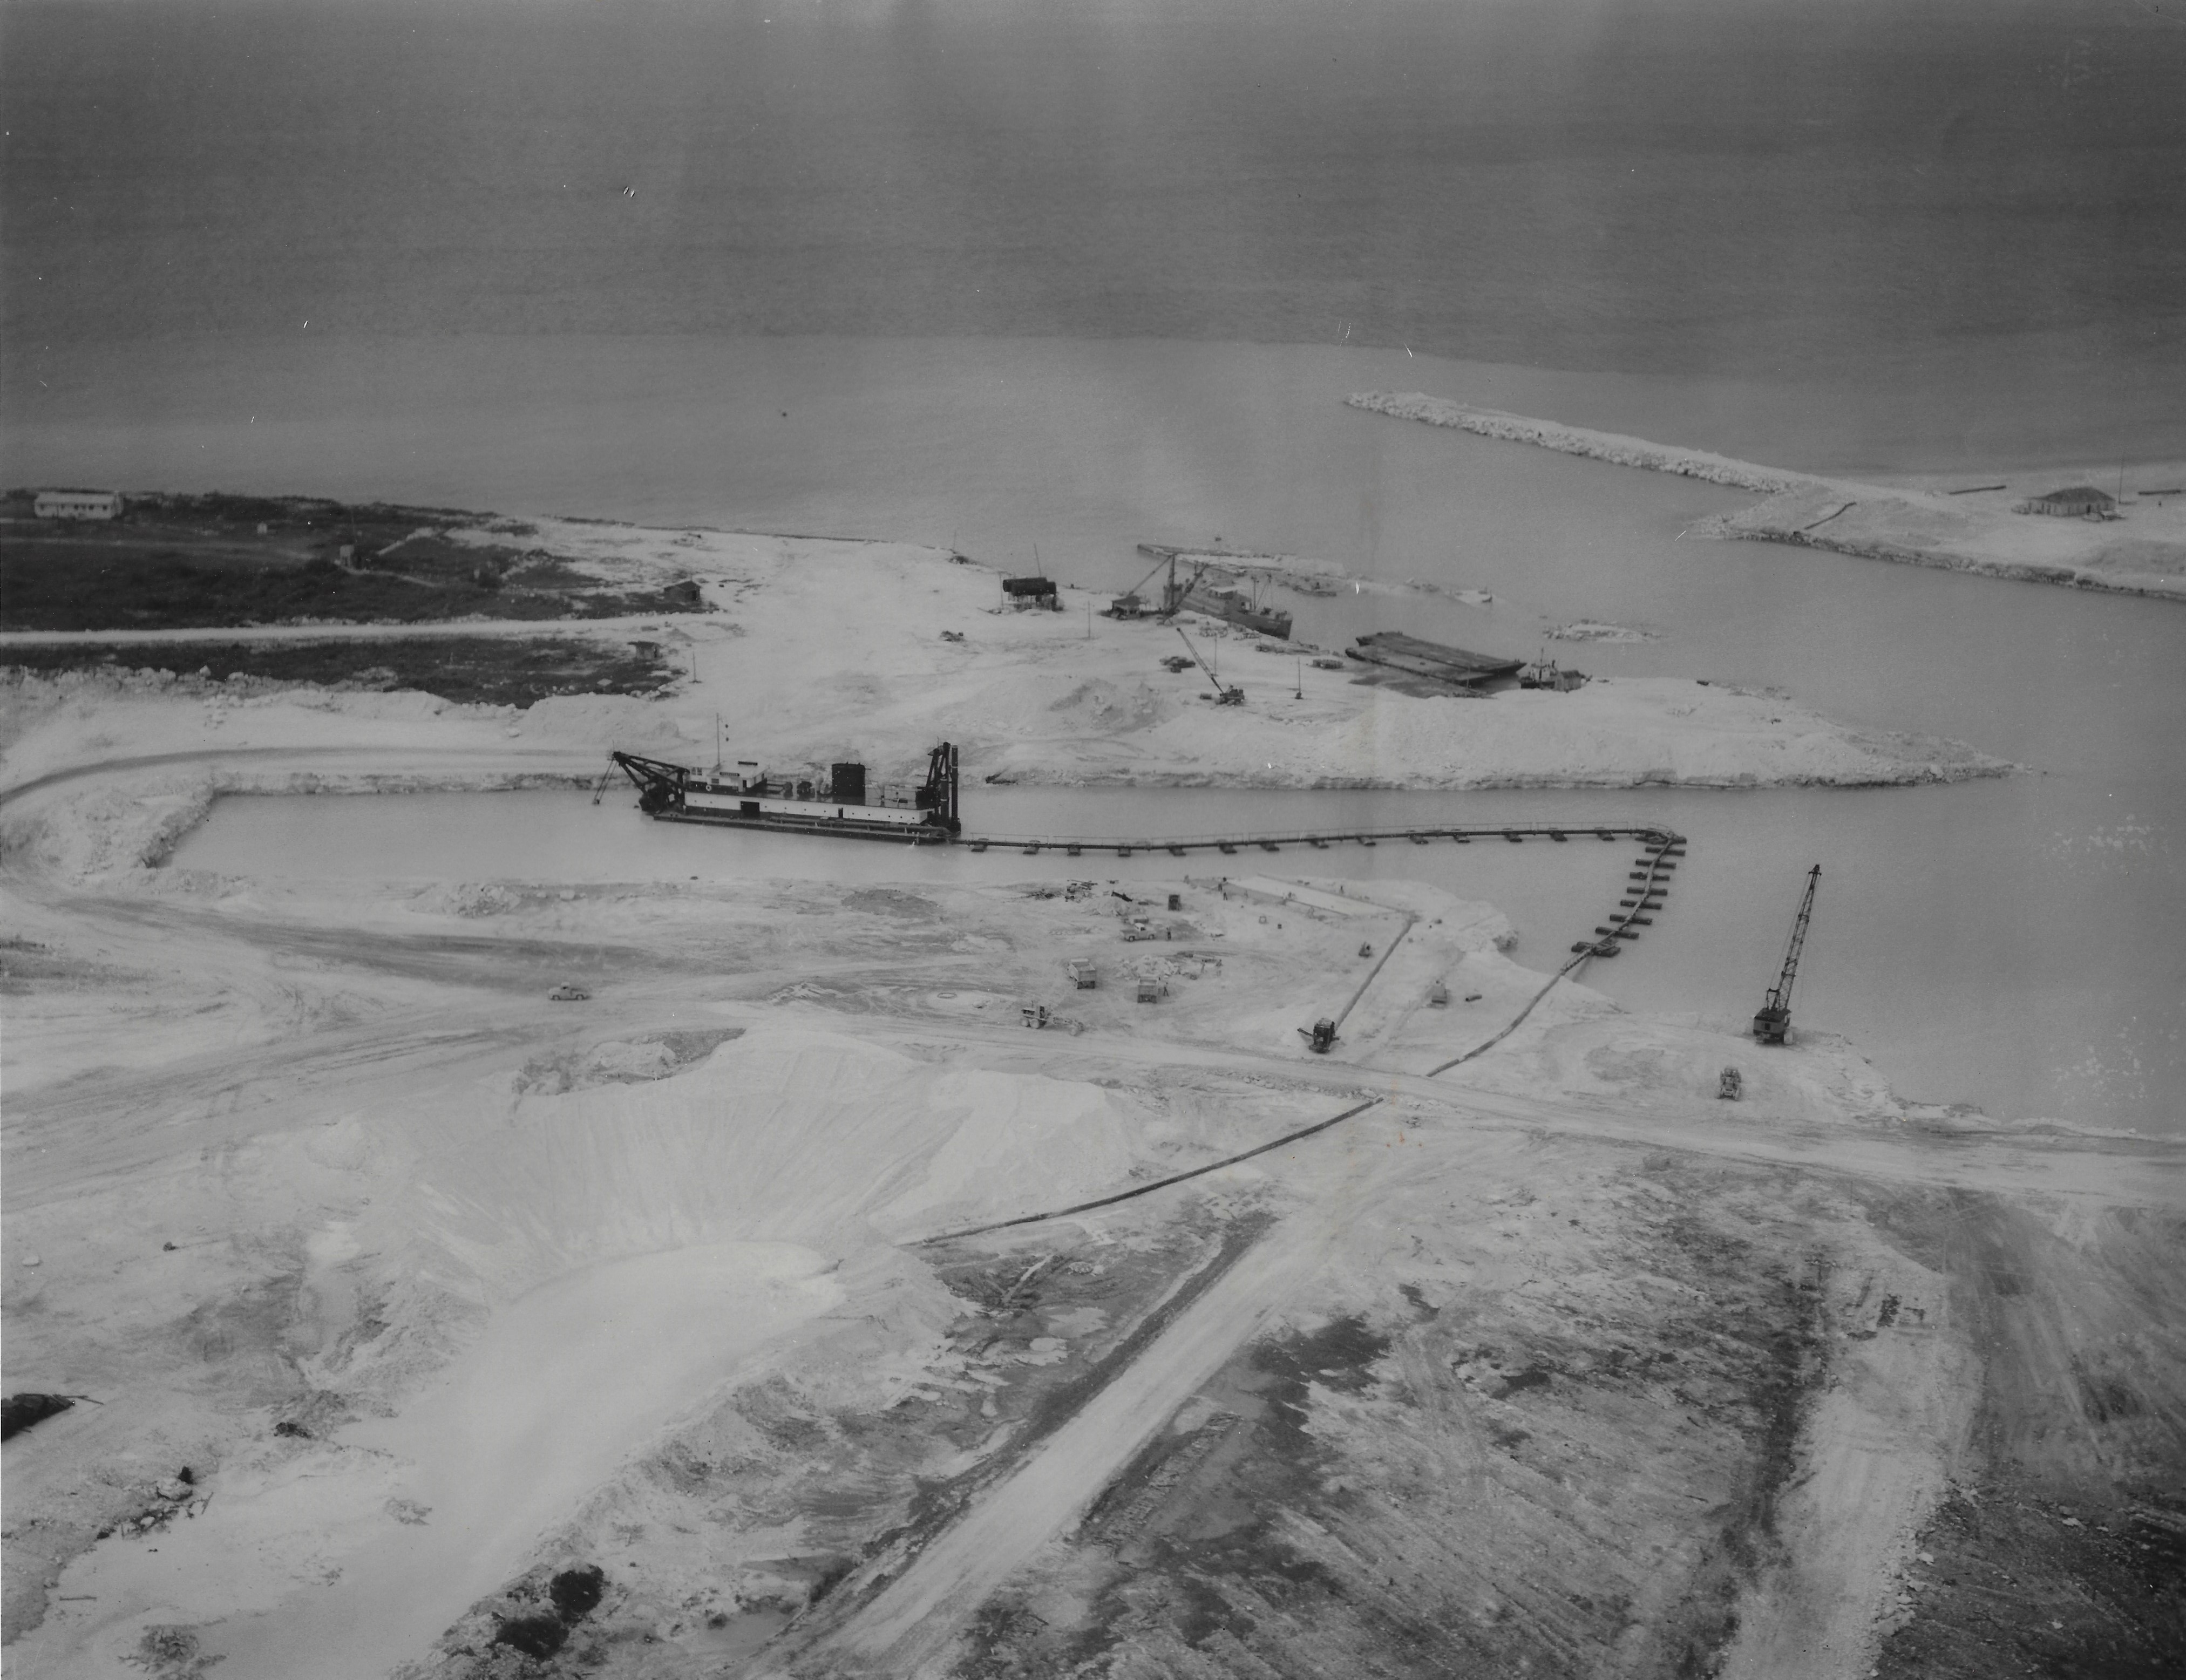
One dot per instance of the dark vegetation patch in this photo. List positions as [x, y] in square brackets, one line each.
[193, 561]
[1015, 1295]
[535, 1636]
[2016, 1588]
[18, 1412]
[1340, 1355]
[1560, 1480]
[888, 901]
[537, 1616]
[576, 1592]
[472, 670]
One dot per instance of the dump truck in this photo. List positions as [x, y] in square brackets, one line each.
[1083, 975]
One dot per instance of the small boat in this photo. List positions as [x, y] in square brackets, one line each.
[1545, 673]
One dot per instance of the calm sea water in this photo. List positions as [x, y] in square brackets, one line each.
[1982, 193]
[988, 275]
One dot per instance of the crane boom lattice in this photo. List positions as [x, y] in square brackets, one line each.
[1772, 1022]
[1223, 696]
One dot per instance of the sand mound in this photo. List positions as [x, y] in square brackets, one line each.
[1100, 707]
[781, 1136]
[604, 721]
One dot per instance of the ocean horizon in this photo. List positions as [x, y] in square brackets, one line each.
[1902, 199]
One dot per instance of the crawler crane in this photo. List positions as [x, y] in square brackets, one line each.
[1223, 696]
[1772, 1023]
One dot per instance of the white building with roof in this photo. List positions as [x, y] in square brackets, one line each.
[68, 504]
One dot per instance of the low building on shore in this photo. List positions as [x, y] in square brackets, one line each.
[2074, 501]
[71, 504]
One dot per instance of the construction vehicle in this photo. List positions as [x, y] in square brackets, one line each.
[1035, 1015]
[1321, 1035]
[1439, 995]
[1730, 1084]
[1223, 696]
[1149, 988]
[1772, 1022]
[1083, 975]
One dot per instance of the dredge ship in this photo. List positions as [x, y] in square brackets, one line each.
[838, 802]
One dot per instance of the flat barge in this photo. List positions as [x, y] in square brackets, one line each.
[835, 803]
[1409, 654]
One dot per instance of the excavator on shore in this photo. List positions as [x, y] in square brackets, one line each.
[1772, 1022]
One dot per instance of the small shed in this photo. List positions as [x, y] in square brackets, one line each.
[1030, 592]
[77, 505]
[2074, 501]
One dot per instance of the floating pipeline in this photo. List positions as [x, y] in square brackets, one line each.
[1319, 839]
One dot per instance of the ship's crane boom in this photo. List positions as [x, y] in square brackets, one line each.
[1772, 1022]
[1172, 596]
[1168, 560]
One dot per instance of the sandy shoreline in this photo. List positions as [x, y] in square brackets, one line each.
[1911, 519]
[814, 651]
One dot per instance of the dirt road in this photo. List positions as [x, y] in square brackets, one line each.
[909, 1625]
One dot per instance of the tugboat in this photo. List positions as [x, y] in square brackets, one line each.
[835, 803]
[1545, 673]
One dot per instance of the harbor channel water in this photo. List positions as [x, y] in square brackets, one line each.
[2014, 1014]
[2017, 943]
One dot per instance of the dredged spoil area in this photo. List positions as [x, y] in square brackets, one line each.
[1895, 942]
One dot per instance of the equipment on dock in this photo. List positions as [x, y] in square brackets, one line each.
[747, 797]
[1321, 1035]
[1223, 696]
[1772, 1022]
[1730, 1084]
